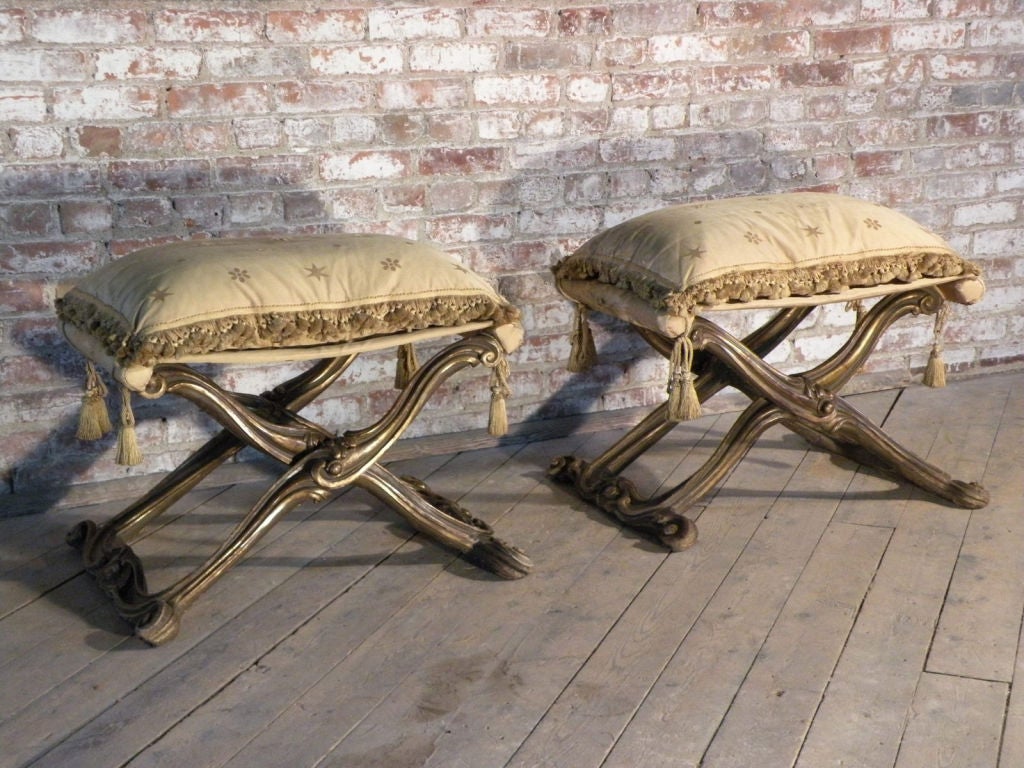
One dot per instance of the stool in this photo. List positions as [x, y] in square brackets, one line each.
[149, 317]
[666, 272]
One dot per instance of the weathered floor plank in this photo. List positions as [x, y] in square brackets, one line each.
[828, 615]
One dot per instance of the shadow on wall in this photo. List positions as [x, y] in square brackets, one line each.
[551, 203]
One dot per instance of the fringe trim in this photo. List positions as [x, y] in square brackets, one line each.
[683, 402]
[741, 285]
[935, 371]
[584, 353]
[274, 329]
[405, 366]
[857, 307]
[497, 424]
[128, 453]
[93, 418]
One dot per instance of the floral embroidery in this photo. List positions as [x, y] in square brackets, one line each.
[693, 253]
[316, 273]
[811, 231]
[752, 237]
[160, 294]
[872, 223]
[241, 275]
[391, 265]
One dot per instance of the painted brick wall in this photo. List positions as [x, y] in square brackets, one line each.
[506, 131]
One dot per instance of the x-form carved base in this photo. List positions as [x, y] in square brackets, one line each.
[320, 465]
[806, 403]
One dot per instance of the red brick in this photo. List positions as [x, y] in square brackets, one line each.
[673, 84]
[321, 26]
[832, 43]
[428, 93]
[204, 212]
[546, 54]
[461, 162]
[322, 96]
[48, 180]
[725, 78]
[159, 175]
[878, 163]
[153, 138]
[596, 20]
[772, 44]
[144, 212]
[964, 126]
[265, 171]
[814, 74]
[402, 128]
[21, 294]
[96, 140]
[884, 133]
[30, 220]
[218, 99]
[48, 257]
[186, 26]
[508, 22]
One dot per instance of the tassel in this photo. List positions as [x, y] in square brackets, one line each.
[856, 306]
[683, 402]
[128, 453]
[584, 353]
[406, 366]
[497, 424]
[935, 371]
[93, 418]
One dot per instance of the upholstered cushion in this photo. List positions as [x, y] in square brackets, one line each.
[778, 250]
[207, 299]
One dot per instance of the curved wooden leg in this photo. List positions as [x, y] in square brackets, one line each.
[661, 515]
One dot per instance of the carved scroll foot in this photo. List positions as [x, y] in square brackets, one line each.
[489, 552]
[119, 573]
[616, 496]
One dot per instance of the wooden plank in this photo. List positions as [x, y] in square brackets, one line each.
[860, 721]
[717, 653]
[453, 612]
[773, 709]
[955, 722]
[980, 625]
[304, 595]
[536, 662]
[102, 680]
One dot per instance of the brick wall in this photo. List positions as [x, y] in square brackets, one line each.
[506, 131]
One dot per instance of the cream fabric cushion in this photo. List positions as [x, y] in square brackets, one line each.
[661, 268]
[274, 299]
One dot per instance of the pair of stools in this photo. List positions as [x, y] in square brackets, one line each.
[148, 318]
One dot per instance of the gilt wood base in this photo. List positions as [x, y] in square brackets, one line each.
[319, 465]
[807, 403]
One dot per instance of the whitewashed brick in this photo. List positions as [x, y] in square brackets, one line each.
[588, 89]
[101, 102]
[1002, 212]
[516, 89]
[357, 60]
[670, 49]
[37, 142]
[18, 105]
[351, 166]
[453, 57]
[408, 23]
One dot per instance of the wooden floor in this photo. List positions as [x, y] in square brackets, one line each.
[827, 617]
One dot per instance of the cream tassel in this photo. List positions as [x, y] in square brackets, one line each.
[935, 371]
[497, 425]
[856, 306]
[406, 366]
[583, 354]
[128, 453]
[683, 402]
[93, 418]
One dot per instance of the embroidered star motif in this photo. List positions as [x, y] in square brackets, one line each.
[693, 253]
[391, 265]
[160, 294]
[872, 223]
[241, 275]
[316, 273]
[813, 231]
[753, 237]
